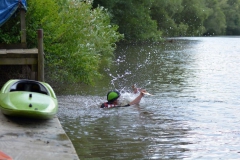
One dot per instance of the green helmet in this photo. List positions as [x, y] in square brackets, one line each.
[113, 95]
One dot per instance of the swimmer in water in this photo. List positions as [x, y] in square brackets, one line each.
[113, 96]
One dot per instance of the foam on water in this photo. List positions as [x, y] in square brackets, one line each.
[126, 98]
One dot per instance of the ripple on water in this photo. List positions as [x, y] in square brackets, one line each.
[193, 115]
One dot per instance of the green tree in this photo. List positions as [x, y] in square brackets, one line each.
[193, 15]
[133, 18]
[215, 24]
[232, 12]
[9, 31]
[77, 38]
[165, 13]
[180, 17]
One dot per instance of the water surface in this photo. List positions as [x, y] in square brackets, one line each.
[193, 115]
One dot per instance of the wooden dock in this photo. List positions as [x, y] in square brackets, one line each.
[18, 56]
[26, 139]
[34, 58]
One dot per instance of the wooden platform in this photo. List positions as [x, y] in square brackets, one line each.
[19, 56]
[26, 139]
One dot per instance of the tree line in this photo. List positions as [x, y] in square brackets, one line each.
[80, 36]
[149, 19]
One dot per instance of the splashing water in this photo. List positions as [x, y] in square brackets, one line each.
[127, 97]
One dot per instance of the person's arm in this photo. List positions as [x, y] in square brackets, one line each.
[138, 98]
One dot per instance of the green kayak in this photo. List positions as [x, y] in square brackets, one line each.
[28, 98]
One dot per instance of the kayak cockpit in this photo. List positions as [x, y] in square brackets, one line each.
[29, 86]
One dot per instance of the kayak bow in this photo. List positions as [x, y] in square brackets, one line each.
[28, 98]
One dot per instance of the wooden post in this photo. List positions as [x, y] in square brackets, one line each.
[23, 28]
[40, 56]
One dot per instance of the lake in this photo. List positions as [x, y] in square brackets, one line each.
[194, 113]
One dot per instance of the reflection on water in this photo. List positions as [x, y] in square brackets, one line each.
[193, 115]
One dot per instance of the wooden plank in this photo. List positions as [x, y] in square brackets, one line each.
[40, 56]
[18, 56]
[19, 51]
[23, 26]
[3, 51]
[17, 61]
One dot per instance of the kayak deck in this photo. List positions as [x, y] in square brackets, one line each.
[27, 98]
